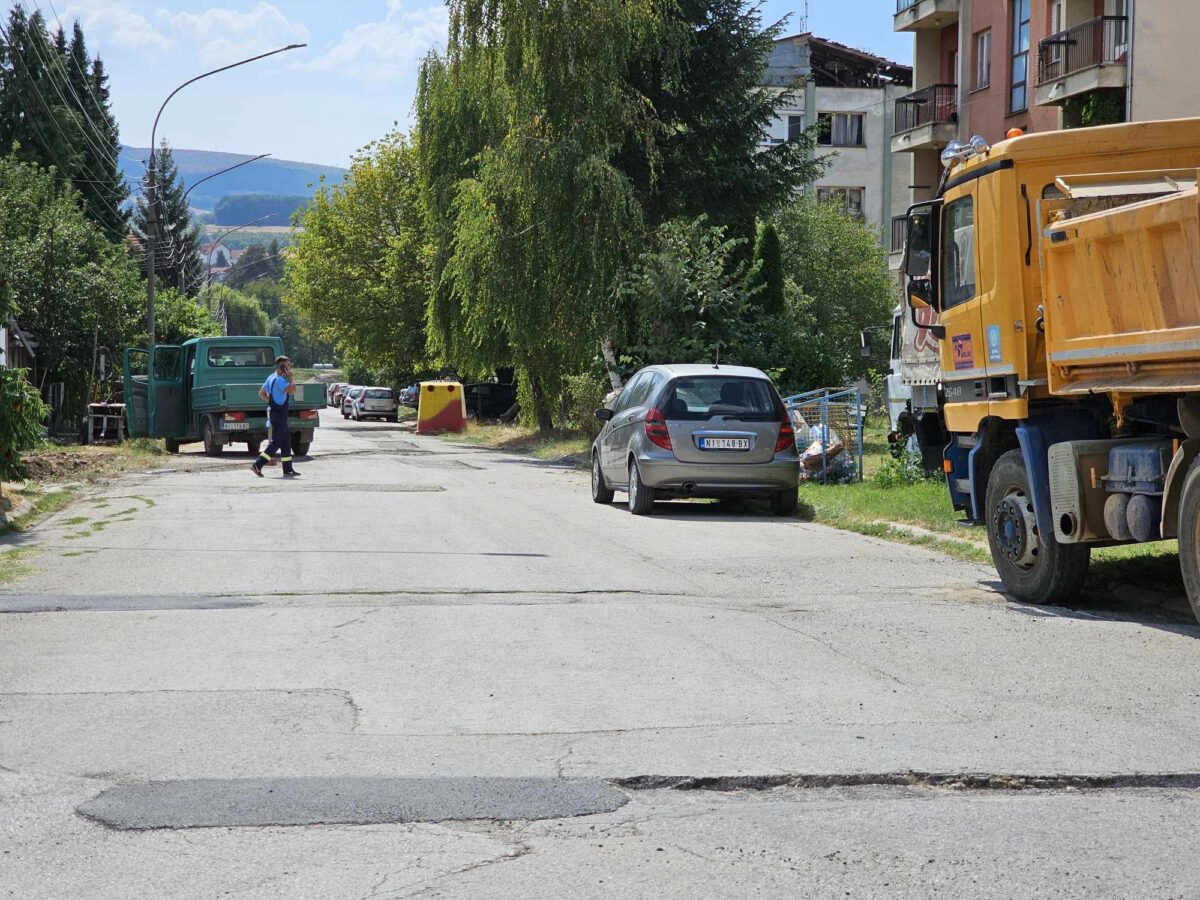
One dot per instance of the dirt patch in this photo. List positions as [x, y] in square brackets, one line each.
[90, 462]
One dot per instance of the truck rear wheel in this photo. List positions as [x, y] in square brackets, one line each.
[212, 447]
[1189, 538]
[300, 447]
[1034, 567]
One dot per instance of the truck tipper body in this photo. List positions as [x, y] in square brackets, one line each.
[207, 390]
[1064, 271]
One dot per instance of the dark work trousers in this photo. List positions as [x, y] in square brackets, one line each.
[281, 439]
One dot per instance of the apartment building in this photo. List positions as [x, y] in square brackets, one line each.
[850, 95]
[988, 66]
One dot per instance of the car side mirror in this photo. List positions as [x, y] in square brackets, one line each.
[604, 415]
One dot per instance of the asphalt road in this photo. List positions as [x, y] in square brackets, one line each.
[224, 686]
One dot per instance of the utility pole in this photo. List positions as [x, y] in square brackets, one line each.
[152, 188]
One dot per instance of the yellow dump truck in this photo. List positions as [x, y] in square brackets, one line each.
[1065, 272]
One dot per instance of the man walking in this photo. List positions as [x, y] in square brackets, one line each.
[276, 390]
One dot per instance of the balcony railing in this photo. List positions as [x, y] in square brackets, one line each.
[1098, 42]
[899, 233]
[902, 5]
[934, 105]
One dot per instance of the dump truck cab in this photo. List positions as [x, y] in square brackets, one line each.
[207, 390]
[1022, 303]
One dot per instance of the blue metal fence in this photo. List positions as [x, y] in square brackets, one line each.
[829, 433]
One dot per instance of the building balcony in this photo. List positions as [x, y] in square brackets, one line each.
[926, 119]
[1088, 57]
[917, 15]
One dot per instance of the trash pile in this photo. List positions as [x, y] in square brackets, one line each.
[823, 456]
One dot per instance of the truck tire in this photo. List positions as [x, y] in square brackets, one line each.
[171, 444]
[254, 447]
[1035, 568]
[300, 447]
[211, 446]
[1189, 538]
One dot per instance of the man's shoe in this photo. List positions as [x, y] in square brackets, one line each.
[256, 470]
[291, 474]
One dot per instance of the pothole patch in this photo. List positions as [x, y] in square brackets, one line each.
[262, 802]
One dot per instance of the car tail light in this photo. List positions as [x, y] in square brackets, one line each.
[656, 429]
[787, 437]
[308, 414]
[235, 417]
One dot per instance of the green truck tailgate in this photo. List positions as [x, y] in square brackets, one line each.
[217, 397]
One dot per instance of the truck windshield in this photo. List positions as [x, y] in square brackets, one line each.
[241, 357]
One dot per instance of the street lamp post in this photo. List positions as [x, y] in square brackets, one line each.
[244, 162]
[151, 193]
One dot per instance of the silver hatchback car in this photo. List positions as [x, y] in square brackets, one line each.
[696, 431]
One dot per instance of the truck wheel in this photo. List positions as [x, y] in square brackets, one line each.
[171, 444]
[211, 447]
[1189, 538]
[641, 498]
[300, 448]
[1034, 567]
[253, 447]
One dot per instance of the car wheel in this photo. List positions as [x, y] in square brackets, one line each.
[1034, 567]
[600, 490]
[211, 447]
[641, 498]
[785, 503]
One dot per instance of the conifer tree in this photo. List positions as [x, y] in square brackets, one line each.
[177, 247]
[769, 275]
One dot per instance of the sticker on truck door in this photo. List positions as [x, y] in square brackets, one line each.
[993, 342]
[964, 351]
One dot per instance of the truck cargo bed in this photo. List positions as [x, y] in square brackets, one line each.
[1122, 298]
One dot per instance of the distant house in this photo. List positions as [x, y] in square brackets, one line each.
[16, 347]
[216, 256]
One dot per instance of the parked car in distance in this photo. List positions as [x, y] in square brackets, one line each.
[336, 390]
[375, 403]
[411, 395]
[489, 399]
[696, 431]
[348, 396]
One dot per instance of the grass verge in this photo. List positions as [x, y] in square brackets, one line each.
[526, 441]
[14, 565]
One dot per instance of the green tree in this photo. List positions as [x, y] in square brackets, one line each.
[72, 288]
[359, 271]
[768, 272]
[178, 318]
[256, 262]
[837, 282]
[236, 312]
[177, 246]
[21, 415]
[519, 125]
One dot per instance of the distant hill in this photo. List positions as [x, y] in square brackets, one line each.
[266, 176]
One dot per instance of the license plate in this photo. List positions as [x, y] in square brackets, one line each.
[235, 426]
[708, 443]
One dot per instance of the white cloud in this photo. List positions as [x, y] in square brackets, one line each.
[114, 23]
[389, 50]
[225, 35]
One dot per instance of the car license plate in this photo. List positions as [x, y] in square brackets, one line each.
[235, 426]
[710, 443]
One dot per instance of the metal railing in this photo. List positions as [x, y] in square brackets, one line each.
[899, 233]
[902, 5]
[1097, 42]
[829, 434]
[936, 104]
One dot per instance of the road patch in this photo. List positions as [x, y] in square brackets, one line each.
[263, 802]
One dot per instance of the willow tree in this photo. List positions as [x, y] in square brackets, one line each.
[519, 124]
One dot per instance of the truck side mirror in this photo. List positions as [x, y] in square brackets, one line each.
[864, 341]
[920, 241]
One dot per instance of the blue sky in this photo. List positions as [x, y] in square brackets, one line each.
[355, 79]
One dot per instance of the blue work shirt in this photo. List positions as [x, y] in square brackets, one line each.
[276, 387]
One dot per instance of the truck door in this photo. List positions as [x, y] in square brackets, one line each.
[166, 392]
[137, 392]
[964, 349]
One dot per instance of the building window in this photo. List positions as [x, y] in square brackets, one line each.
[983, 59]
[795, 128]
[840, 130]
[1019, 72]
[850, 199]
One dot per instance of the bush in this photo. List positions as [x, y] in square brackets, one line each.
[583, 394]
[22, 413]
[900, 472]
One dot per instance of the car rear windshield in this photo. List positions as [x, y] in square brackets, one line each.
[380, 395]
[700, 399]
[241, 357]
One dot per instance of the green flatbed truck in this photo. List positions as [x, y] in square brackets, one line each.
[207, 390]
